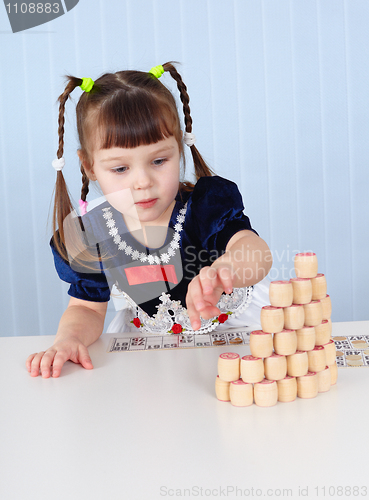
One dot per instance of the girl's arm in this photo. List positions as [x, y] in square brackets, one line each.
[246, 261]
[81, 324]
[249, 257]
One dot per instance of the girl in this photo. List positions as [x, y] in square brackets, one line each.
[184, 256]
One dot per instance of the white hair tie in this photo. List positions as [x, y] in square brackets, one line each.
[58, 164]
[189, 139]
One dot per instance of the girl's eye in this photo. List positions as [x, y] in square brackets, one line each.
[159, 161]
[119, 170]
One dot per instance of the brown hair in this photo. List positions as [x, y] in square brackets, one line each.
[129, 109]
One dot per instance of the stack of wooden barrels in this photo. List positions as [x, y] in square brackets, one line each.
[293, 355]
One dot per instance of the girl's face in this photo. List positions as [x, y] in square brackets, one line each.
[140, 182]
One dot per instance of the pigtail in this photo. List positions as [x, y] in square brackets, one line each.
[201, 168]
[62, 203]
[85, 184]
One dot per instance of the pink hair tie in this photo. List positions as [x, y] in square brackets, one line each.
[83, 205]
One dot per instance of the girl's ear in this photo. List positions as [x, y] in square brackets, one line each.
[86, 166]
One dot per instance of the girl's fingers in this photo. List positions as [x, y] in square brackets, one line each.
[208, 279]
[212, 278]
[196, 294]
[46, 363]
[193, 314]
[225, 278]
[52, 360]
[204, 292]
[63, 356]
[84, 358]
[198, 304]
[210, 311]
[35, 364]
[60, 358]
[29, 361]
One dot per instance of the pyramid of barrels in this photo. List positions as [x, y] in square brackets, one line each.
[293, 355]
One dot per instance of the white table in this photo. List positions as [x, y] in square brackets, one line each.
[147, 425]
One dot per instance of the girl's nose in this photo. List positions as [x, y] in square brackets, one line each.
[142, 179]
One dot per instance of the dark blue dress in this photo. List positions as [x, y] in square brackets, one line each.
[201, 224]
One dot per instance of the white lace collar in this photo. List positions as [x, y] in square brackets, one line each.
[172, 317]
[142, 257]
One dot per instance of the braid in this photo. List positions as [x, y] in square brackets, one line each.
[72, 84]
[85, 184]
[62, 203]
[201, 168]
[182, 94]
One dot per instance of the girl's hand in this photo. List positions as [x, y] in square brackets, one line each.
[52, 360]
[205, 290]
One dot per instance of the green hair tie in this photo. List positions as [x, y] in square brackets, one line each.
[157, 71]
[87, 84]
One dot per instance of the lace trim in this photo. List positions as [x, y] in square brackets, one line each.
[135, 254]
[172, 317]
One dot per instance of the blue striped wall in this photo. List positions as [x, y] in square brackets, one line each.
[279, 96]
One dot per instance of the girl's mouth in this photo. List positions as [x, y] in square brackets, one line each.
[147, 203]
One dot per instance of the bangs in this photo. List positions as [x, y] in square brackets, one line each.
[128, 121]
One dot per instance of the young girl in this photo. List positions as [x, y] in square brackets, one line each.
[184, 256]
